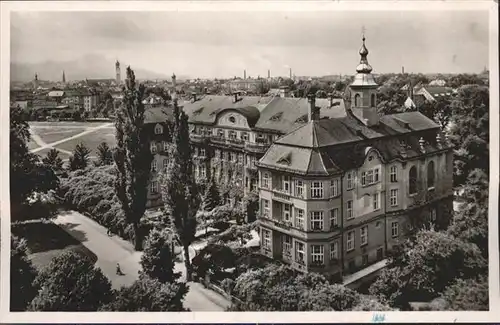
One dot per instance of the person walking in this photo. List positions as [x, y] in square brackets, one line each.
[118, 269]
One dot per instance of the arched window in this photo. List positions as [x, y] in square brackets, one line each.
[357, 100]
[430, 175]
[413, 180]
[372, 100]
[158, 129]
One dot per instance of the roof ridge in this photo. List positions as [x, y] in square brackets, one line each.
[315, 143]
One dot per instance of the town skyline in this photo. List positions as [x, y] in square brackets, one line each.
[309, 43]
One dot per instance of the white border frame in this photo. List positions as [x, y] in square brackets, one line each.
[255, 317]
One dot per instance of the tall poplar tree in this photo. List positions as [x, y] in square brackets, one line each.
[179, 191]
[132, 155]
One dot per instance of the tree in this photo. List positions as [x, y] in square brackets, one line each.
[467, 295]
[132, 155]
[211, 198]
[80, 157]
[437, 110]
[179, 192]
[104, 155]
[425, 266]
[22, 276]
[470, 222]
[71, 282]
[469, 131]
[53, 160]
[27, 175]
[157, 260]
[147, 294]
[214, 259]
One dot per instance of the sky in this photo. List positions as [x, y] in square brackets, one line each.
[223, 44]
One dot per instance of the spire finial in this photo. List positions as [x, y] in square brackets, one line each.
[363, 29]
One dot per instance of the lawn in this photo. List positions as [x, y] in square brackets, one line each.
[63, 124]
[92, 140]
[50, 135]
[46, 240]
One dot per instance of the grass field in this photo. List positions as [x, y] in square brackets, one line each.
[91, 140]
[50, 132]
[46, 240]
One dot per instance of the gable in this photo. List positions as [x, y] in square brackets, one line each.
[232, 119]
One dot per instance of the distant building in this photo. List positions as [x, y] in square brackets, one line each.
[431, 93]
[118, 78]
[337, 194]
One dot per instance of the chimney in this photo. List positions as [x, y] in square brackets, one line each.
[290, 73]
[244, 74]
[313, 112]
[421, 142]
[269, 74]
[403, 70]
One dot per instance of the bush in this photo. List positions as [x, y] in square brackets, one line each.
[92, 191]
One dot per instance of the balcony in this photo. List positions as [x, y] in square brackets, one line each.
[256, 147]
[236, 142]
[287, 225]
[197, 137]
[281, 196]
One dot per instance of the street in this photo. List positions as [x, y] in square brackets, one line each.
[112, 249]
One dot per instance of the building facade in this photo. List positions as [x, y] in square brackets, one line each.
[336, 194]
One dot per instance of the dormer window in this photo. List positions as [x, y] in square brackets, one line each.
[286, 159]
[158, 129]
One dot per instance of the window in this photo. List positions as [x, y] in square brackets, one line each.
[334, 251]
[232, 135]
[433, 214]
[357, 100]
[395, 229]
[287, 245]
[266, 235]
[413, 180]
[203, 172]
[372, 100]
[370, 177]
[218, 154]
[222, 155]
[394, 197]
[394, 174]
[350, 240]
[350, 180]
[286, 184]
[265, 208]
[299, 188]
[299, 252]
[165, 145]
[158, 129]
[317, 254]
[317, 220]
[196, 171]
[229, 156]
[240, 158]
[154, 187]
[153, 165]
[334, 218]
[286, 213]
[317, 190]
[350, 215]
[221, 133]
[299, 218]
[430, 175]
[152, 146]
[232, 119]
[364, 235]
[244, 136]
[165, 163]
[364, 259]
[334, 188]
[265, 180]
[380, 253]
[376, 201]
[203, 152]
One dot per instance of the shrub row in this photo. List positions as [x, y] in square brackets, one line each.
[91, 192]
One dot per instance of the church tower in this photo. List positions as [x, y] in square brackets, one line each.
[174, 87]
[118, 77]
[363, 91]
[35, 81]
[63, 78]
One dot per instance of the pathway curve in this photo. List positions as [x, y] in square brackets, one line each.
[76, 136]
[113, 249]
